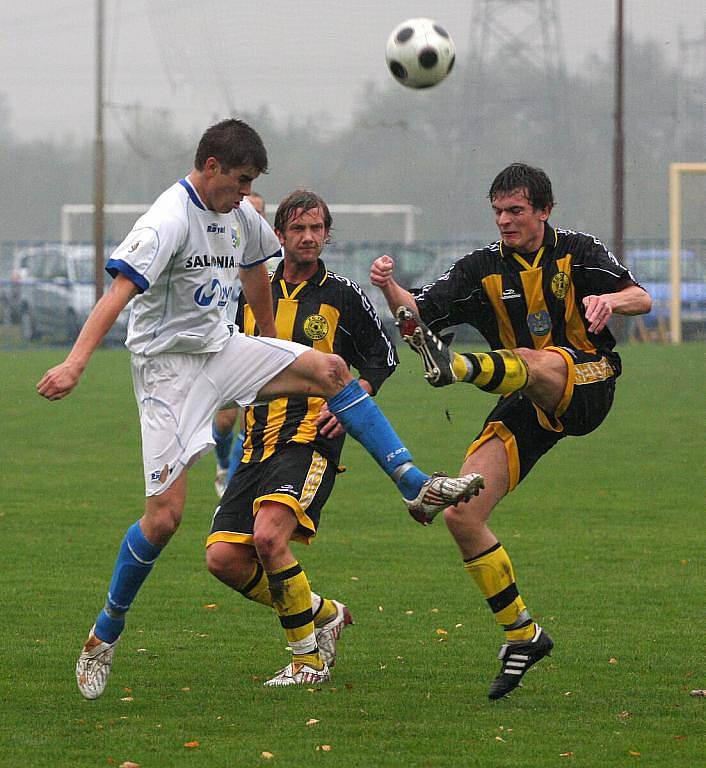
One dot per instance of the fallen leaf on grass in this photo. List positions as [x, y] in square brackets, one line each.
[354, 578]
[129, 764]
[697, 692]
[679, 738]
[441, 632]
[127, 698]
[191, 744]
[210, 606]
[612, 660]
[186, 689]
[324, 748]
[409, 613]
[266, 755]
[566, 754]
[624, 714]
[312, 721]
[633, 753]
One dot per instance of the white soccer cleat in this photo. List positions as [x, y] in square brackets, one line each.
[441, 491]
[93, 665]
[297, 673]
[221, 481]
[327, 635]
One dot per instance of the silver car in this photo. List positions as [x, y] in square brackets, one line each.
[58, 292]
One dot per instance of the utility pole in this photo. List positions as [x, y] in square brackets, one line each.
[99, 158]
[618, 140]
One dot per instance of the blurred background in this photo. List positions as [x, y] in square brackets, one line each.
[534, 81]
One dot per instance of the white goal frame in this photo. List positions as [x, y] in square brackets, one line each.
[408, 212]
[675, 204]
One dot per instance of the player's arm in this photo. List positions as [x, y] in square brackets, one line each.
[58, 382]
[381, 276]
[258, 294]
[629, 299]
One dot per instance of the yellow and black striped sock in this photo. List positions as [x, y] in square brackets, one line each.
[501, 371]
[291, 597]
[258, 588]
[493, 573]
[323, 608]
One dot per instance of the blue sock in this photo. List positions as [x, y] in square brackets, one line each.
[135, 560]
[364, 421]
[223, 446]
[236, 455]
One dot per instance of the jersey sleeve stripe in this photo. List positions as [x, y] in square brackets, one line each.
[115, 266]
[277, 253]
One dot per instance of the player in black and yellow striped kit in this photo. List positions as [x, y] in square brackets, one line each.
[541, 297]
[293, 445]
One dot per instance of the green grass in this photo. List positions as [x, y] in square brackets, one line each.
[606, 535]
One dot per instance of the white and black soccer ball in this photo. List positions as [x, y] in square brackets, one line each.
[420, 53]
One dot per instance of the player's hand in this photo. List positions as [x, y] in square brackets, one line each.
[381, 271]
[329, 426]
[598, 312]
[58, 382]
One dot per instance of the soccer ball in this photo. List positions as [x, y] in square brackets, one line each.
[420, 53]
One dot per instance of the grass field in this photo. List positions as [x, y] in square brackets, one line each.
[607, 538]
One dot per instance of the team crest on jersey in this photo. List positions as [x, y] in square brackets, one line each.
[134, 247]
[539, 323]
[235, 236]
[316, 327]
[560, 285]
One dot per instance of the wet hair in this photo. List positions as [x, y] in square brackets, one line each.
[233, 143]
[534, 181]
[300, 199]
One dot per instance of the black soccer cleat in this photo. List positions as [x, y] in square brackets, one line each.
[435, 354]
[516, 659]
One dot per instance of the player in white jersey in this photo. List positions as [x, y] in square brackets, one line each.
[179, 264]
[228, 445]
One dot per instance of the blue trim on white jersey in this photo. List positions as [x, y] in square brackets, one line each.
[261, 261]
[115, 266]
[192, 194]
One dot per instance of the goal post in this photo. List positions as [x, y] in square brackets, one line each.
[407, 212]
[675, 240]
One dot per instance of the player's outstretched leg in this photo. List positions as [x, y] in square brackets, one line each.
[516, 659]
[424, 496]
[500, 372]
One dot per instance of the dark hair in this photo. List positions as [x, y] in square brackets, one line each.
[304, 200]
[521, 176]
[233, 143]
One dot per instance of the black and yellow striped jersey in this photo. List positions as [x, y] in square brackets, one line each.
[329, 313]
[528, 300]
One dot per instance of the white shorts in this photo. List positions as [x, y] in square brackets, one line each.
[178, 394]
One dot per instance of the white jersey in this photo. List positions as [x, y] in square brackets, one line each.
[184, 260]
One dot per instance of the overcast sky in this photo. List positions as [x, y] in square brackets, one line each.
[211, 58]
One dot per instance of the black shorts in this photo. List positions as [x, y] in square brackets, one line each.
[296, 475]
[527, 432]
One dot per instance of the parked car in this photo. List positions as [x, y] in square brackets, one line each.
[57, 292]
[652, 268]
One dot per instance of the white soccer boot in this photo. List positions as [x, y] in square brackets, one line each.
[328, 634]
[221, 481]
[441, 491]
[296, 673]
[93, 665]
